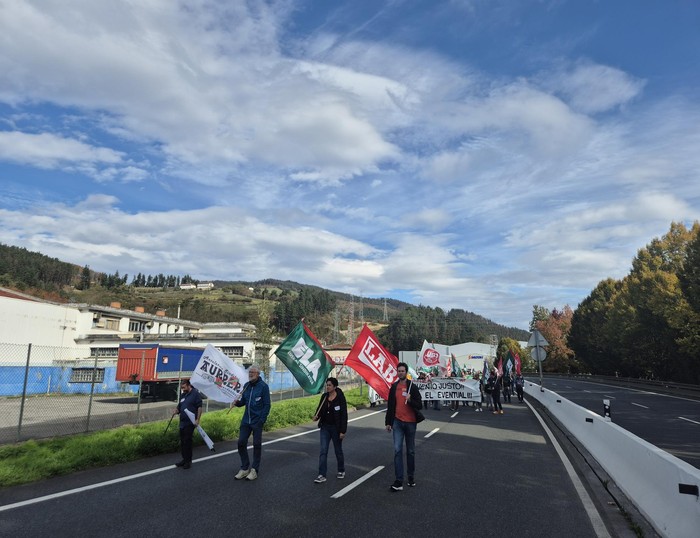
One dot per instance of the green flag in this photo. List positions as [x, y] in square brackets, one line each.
[305, 358]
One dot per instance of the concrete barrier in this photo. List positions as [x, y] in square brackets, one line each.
[662, 487]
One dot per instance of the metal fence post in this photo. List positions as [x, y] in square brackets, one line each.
[92, 391]
[24, 393]
[138, 400]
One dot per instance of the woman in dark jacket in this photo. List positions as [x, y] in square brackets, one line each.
[332, 416]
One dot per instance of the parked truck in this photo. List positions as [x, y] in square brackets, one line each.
[156, 368]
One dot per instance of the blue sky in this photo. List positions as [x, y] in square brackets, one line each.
[478, 154]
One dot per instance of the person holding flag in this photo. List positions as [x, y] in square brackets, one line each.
[191, 401]
[256, 399]
[332, 416]
[403, 413]
[497, 388]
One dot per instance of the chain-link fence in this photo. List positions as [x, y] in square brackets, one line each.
[50, 391]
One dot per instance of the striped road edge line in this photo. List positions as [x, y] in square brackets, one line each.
[599, 527]
[432, 433]
[356, 483]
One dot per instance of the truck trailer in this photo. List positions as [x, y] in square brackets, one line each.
[156, 368]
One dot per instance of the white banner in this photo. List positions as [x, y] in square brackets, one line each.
[449, 388]
[218, 377]
[205, 437]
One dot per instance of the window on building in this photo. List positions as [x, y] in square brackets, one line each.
[136, 326]
[112, 324]
[104, 352]
[233, 351]
[84, 375]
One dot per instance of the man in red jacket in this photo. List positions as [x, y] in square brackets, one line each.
[403, 413]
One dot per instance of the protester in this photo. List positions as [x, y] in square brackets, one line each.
[506, 388]
[332, 416]
[519, 386]
[424, 378]
[488, 389]
[402, 415]
[256, 399]
[478, 404]
[191, 401]
[496, 394]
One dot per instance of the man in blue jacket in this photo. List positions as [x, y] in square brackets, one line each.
[256, 399]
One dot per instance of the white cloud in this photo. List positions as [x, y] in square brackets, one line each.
[593, 88]
[46, 150]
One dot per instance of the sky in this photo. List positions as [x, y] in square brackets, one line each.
[487, 155]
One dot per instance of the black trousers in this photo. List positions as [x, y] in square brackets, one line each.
[186, 433]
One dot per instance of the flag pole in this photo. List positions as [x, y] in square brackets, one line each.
[171, 419]
[325, 396]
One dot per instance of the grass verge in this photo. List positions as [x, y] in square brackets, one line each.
[30, 461]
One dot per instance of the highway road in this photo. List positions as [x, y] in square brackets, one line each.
[669, 422]
[477, 474]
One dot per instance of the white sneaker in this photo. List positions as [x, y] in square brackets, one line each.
[320, 479]
[340, 474]
[242, 474]
[252, 475]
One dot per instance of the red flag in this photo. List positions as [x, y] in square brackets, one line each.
[517, 364]
[500, 367]
[373, 362]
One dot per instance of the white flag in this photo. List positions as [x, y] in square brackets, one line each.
[205, 437]
[218, 377]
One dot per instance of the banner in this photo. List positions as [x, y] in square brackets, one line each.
[373, 362]
[449, 388]
[305, 358]
[218, 377]
[517, 364]
[205, 437]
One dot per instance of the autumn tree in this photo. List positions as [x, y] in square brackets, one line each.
[555, 329]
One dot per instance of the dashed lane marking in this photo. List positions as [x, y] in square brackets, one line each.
[356, 483]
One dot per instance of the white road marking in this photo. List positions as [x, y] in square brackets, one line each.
[689, 420]
[593, 514]
[639, 405]
[453, 415]
[432, 432]
[588, 391]
[611, 397]
[356, 483]
[60, 494]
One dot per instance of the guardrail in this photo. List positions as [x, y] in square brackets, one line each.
[662, 386]
[664, 488]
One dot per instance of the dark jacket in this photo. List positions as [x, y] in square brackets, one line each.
[415, 402]
[190, 401]
[334, 413]
[256, 398]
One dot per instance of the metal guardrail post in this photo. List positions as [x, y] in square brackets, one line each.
[24, 393]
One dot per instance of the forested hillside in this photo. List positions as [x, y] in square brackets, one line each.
[276, 303]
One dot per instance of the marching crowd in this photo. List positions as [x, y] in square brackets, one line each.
[404, 412]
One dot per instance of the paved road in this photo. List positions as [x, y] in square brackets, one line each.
[669, 422]
[477, 474]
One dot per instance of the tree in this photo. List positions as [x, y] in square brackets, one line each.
[555, 329]
[84, 279]
[589, 336]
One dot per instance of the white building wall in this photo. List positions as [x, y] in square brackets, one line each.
[41, 324]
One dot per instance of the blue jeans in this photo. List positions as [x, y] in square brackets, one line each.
[244, 435]
[328, 432]
[404, 430]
